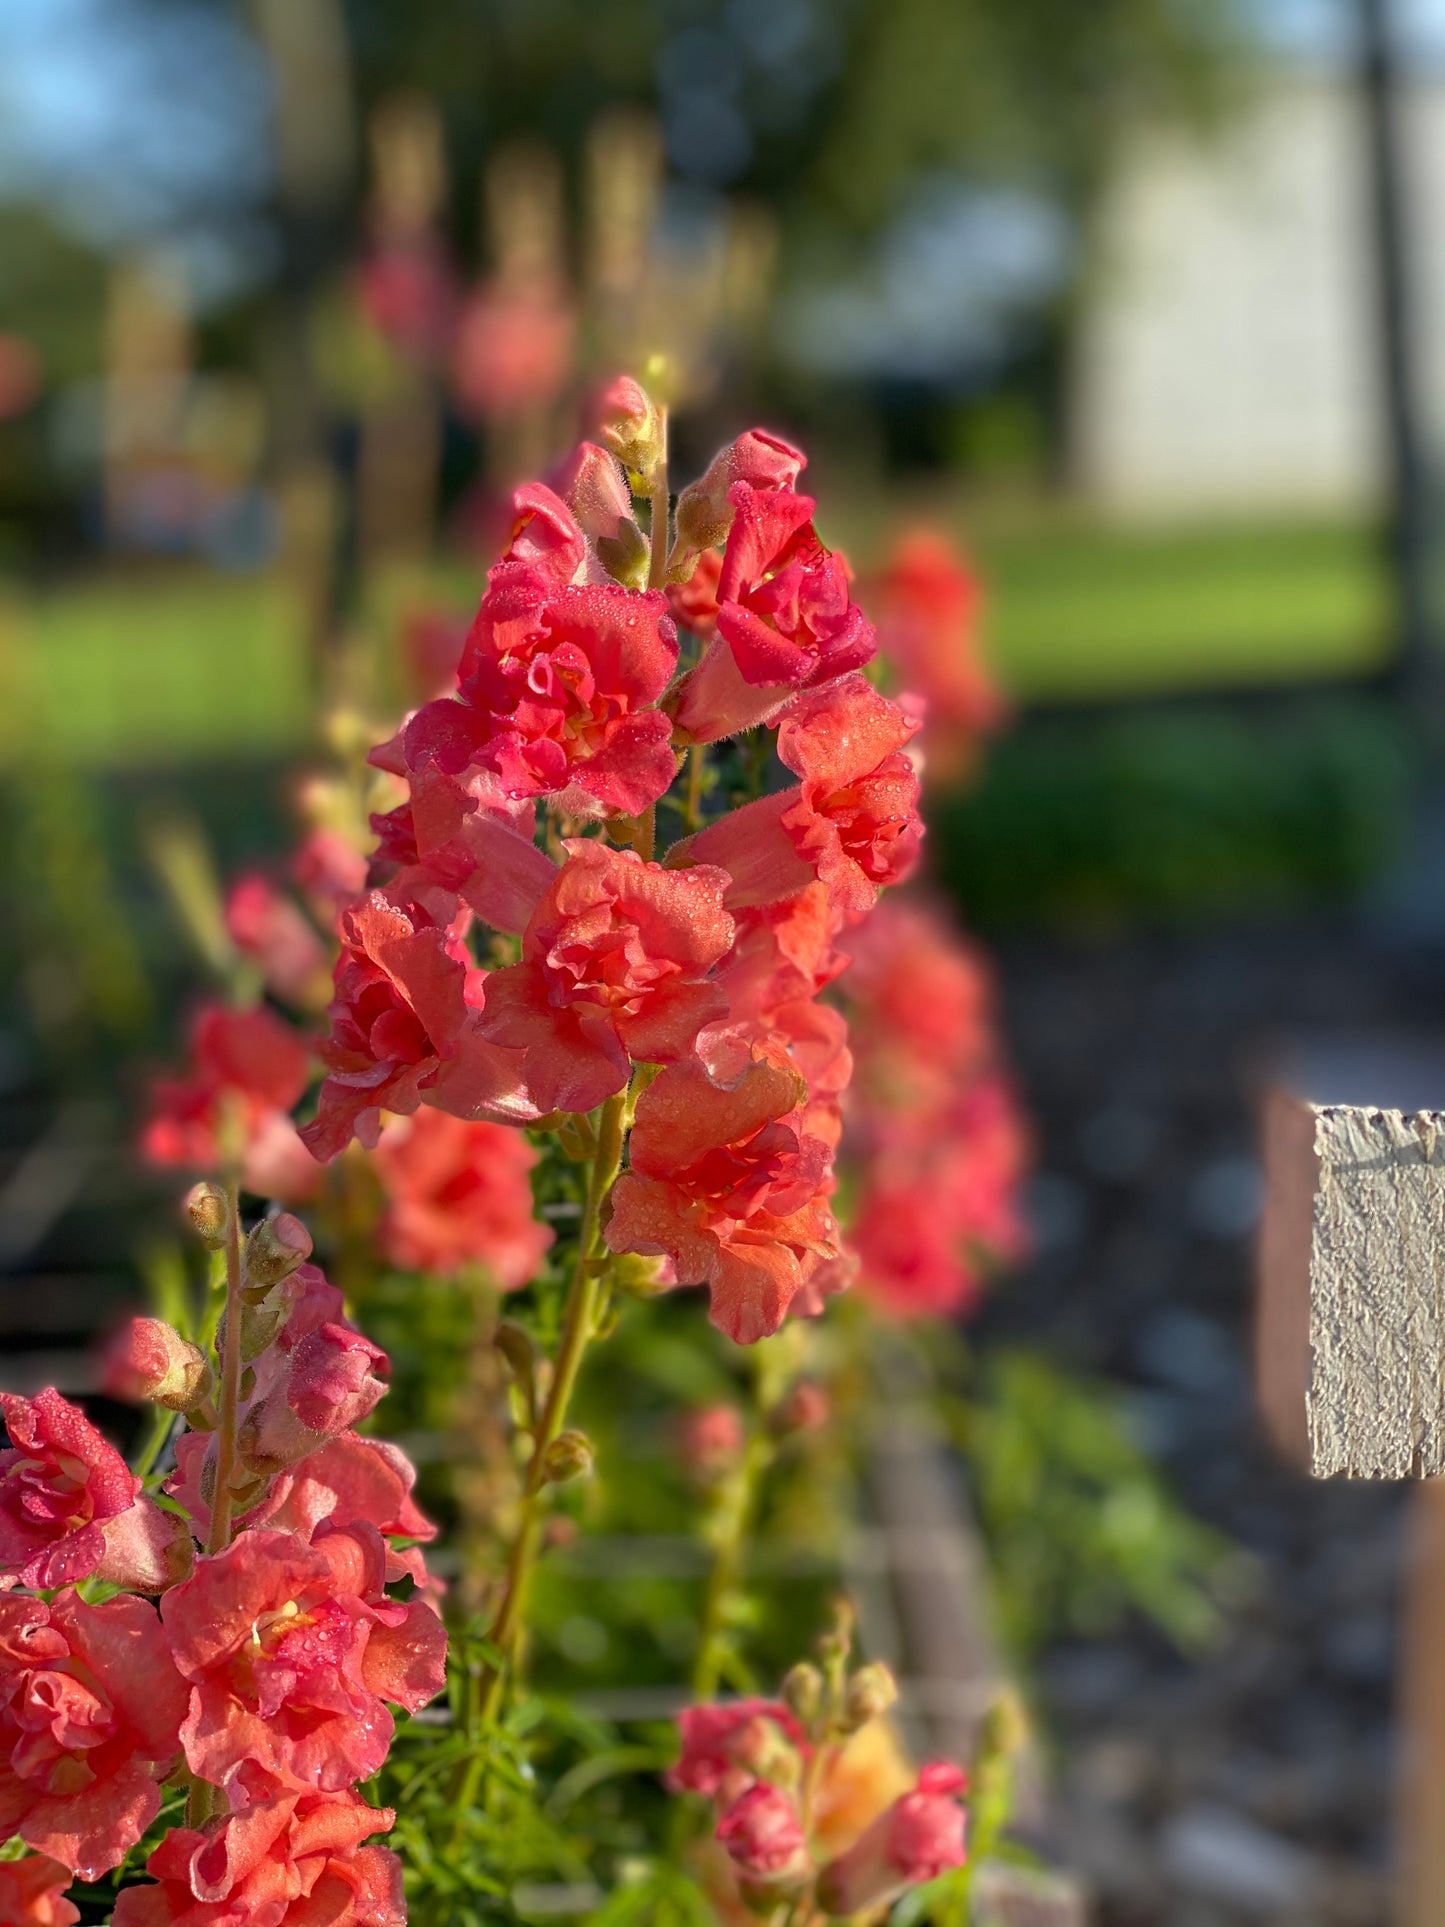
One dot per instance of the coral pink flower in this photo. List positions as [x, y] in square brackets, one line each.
[407, 290]
[513, 351]
[431, 647]
[60, 1485]
[726, 1747]
[268, 928]
[348, 1480]
[248, 1069]
[923, 1007]
[32, 1893]
[939, 1198]
[724, 1180]
[694, 602]
[918, 1838]
[612, 969]
[764, 1839]
[557, 686]
[761, 459]
[786, 619]
[90, 1711]
[852, 822]
[784, 954]
[461, 836]
[328, 870]
[292, 1860]
[290, 1650]
[459, 1194]
[403, 1028]
[929, 604]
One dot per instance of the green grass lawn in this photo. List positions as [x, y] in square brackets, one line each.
[1080, 612]
[155, 668]
[152, 669]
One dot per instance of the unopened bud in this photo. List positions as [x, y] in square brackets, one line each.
[870, 1692]
[635, 1275]
[209, 1211]
[569, 1456]
[626, 556]
[763, 460]
[804, 1409]
[148, 1362]
[276, 1247]
[632, 426]
[802, 1692]
[1005, 1729]
[711, 1441]
[519, 1355]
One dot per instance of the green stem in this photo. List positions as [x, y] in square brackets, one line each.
[162, 1424]
[696, 767]
[219, 1536]
[736, 1510]
[659, 501]
[579, 1321]
[199, 1798]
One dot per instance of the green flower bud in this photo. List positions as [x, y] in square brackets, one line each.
[276, 1247]
[871, 1691]
[802, 1692]
[209, 1211]
[569, 1456]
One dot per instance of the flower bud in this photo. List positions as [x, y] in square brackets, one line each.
[871, 1691]
[804, 1409]
[764, 1839]
[569, 1456]
[209, 1210]
[519, 1355]
[711, 1441]
[1005, 1730]
[276, 1247]
[802, 1692]
[626, 556]
[916, 1839]
[632, 426]
[704, 513]
[595, 489]
[148, 1362]
[636, 1275]
[146, 1548]
[337, 1378]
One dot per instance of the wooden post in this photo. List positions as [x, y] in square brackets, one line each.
[1351, 1343]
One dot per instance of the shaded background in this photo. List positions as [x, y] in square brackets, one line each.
[1143, 301]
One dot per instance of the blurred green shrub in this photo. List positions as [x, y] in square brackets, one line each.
[1177, 812]
[1081, 1528]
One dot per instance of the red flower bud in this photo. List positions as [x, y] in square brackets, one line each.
[764, 1839]
[148, 1362]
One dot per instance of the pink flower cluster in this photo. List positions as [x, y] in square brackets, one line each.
[265, 1667]
[783, 1792]
[689, 985]
[929, 605]
[936, 1137]
[454, 1192]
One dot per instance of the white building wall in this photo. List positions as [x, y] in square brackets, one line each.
[1226, 357]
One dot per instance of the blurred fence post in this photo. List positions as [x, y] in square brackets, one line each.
[1422, 674]
[315, 155]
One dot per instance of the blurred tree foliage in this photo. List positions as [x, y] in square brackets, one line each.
[845, 102]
